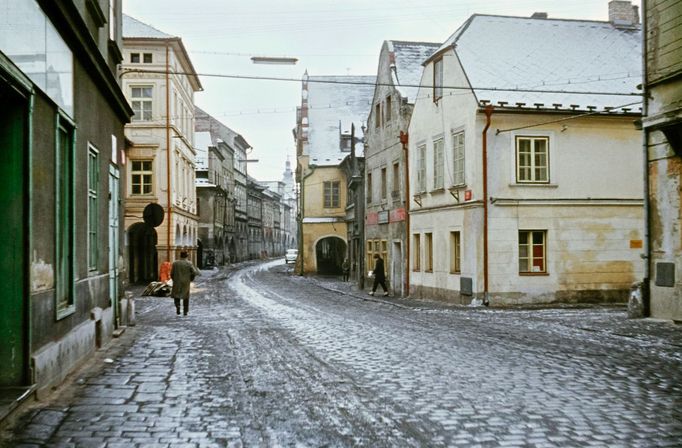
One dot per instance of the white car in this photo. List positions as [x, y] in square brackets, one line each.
[291, 256]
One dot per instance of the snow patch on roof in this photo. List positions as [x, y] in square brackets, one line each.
[134, 28]
[593, 58]
[334, 103]
[409, 57]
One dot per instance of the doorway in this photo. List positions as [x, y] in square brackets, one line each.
[114, 204]
[13, 238]
[330, 253]
[143, 266]
[396, 269]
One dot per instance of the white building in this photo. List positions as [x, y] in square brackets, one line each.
[525, 165]
[159, 82]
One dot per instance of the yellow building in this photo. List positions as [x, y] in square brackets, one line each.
[330, 105]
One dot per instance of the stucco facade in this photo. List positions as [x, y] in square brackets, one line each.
[567, 227]
[663, 150]
[159, 82]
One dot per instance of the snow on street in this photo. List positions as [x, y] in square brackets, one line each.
[271, 359]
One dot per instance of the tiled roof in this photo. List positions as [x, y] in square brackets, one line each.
[409, 57]
[336, 102]
[134, 28]
[566, 64]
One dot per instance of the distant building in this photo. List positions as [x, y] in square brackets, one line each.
[663, 136]
[399, 71]
[215, 200]
[330, 105]
[525, 168]
[238, 245]
[161, 155]
[63, 178]
[254, 205]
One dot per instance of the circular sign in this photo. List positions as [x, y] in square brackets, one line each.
[153, 215]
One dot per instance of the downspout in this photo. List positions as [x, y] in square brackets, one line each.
[300, 221]
[404, 138]
[646, 291]
[168, 156]
[484, 137]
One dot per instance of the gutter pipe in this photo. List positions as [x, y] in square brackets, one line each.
[646, 291]
[484, 137]
[404, 138]
[168, 156]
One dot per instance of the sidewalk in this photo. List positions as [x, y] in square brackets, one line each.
[600, 319]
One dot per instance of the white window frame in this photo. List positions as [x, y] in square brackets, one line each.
[421, 168]
[139, 102]
[142, 172]
[438, 163]
[437, 79]
[532, 167]
[529, 259]
[458, 158]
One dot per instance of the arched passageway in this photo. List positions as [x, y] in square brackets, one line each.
[330, 253]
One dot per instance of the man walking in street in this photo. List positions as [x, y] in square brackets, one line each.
[182, 274]
[379, 275]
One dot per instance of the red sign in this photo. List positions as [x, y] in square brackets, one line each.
[467, 195]
[372, 218]
[397, 215]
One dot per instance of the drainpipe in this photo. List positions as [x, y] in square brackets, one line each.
[168, 155]
[300, 222]
[404, 138]
[646, 291]
[484, 136]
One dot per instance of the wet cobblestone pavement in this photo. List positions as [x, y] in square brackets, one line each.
[266, 358]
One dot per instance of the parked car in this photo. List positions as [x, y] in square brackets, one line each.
[291, 256]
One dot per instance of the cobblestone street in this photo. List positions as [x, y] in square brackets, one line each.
[266, 358]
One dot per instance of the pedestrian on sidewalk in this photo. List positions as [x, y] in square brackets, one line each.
[345, 267]
[182, 273]
[379, 275]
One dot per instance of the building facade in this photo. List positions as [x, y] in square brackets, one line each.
[400, 68]
[522, 193]
[322, 137]
[663, 151]
[159, 82]
[63, 171]
[215, 200]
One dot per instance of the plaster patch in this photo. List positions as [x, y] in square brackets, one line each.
[42, 275]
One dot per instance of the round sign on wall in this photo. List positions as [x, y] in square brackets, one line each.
[153, 215]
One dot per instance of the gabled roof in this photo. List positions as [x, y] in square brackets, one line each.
[334, 103]
[407, 65]
[134, 28]
[218, 130]
[583, 63]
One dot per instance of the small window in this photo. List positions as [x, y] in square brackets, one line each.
[65, 215]
[141, 102]
[134, 58]
[437, 79]
[369, 188]
[458, 158]
[438, 163]
[455, 249]
[396, 181]
[377, 115]
[429, 251]
[387, 110]
[147, 58]
[384, 186]
[417, 252]
[370, 258]
[331, 194]
[421, 169]
[532, 159]
[112, 20]
[532, 251]
[142, 177]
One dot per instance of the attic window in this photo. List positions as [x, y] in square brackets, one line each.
[437, 79]
[134, 58]
[147, 58]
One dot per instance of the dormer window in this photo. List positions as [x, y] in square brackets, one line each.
[147, 58]
[134, 58]
[437, 79]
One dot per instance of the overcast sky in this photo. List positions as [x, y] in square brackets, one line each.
[328, 37]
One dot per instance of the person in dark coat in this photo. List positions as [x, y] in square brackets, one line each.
[182, 274]
[379, 275]
[345, 267]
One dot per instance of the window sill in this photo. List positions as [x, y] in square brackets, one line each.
[416, 270]
[437, 191]
[456, 273]
[429, 271]
[534, 274]
[457, 187]
[534, 185]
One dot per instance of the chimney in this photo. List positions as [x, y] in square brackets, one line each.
[539, 15]
[623, 14]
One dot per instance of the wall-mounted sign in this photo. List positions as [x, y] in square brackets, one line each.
[383, 217]
[467, 195]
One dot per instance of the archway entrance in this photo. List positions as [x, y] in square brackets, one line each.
[330, 253]
[143, 266]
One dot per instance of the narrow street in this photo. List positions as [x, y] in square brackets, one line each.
[266, 358]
